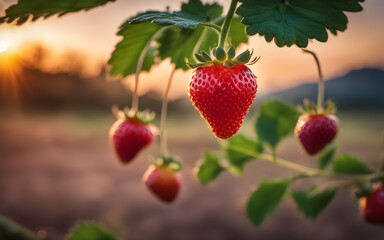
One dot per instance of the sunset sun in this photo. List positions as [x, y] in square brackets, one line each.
[5, 44]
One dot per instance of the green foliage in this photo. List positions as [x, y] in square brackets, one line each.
[311, 203]
[350, 165]
[276, 121]
[12, 231]
[136, 38]
[237, 158]
[209, 169]
[46, 8]
[91, 231]
[177, 43]
[265, 199]
[296, 21]
[191, 15]
[326, 157]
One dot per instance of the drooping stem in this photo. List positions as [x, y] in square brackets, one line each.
[320, 89]
[135, 96]
[227, 21]
[198, 43]
[212, 25]
[305, 172]
[163, 120]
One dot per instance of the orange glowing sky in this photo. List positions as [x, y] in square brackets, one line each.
[93, 34]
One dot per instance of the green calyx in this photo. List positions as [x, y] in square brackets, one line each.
[222, 57]
[363, 190]
[168, 162]
[145, 117]
[311, 108]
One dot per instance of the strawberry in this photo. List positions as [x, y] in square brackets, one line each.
[315, 131]
[163, 182]
[223, 96]
[128, 137]
[372, 206]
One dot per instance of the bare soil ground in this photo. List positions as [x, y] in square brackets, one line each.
[58, 170]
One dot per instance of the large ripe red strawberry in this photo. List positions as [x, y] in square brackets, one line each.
[315, 131]
[128, 137]
[223, 96]
[163, 182]
[372, 206]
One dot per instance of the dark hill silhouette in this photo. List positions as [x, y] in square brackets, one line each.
[357, 90]
[39, 90]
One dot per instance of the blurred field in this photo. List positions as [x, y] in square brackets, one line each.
[59, 169]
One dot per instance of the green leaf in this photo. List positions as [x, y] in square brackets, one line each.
[265, 199]
[312, 204]
[326, 157]
[236, 158]
[296, 21]
[46, 8]
[175, 43]
[276, 121]
[191, 15]
[90, 231]
[125, 57]
[209, 169]
[178, 44]
[347, 164]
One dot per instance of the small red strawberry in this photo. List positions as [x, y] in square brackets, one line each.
[315, 131]
[128, 136]
[223, 89]
[223, 95]
[372, 206]
[163, 182]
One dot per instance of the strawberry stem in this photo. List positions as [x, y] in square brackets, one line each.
[320, 89]
[211, 25]
[135, 96]
[227, 21]
[305, 172]
[163, 120]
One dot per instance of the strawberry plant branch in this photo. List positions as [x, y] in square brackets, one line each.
[306, 172]
[320, 90]
[198, 43]
[227, 22]
[163, 136]
[135, 96]
[212, 25]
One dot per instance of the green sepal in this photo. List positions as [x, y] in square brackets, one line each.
[220, 54]
[363, 190]
[206, 56]
[244, 57]
[231, 53]
[195, 65]
[200, 58]
[168, 162]
[145, 117]
[311, 108]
